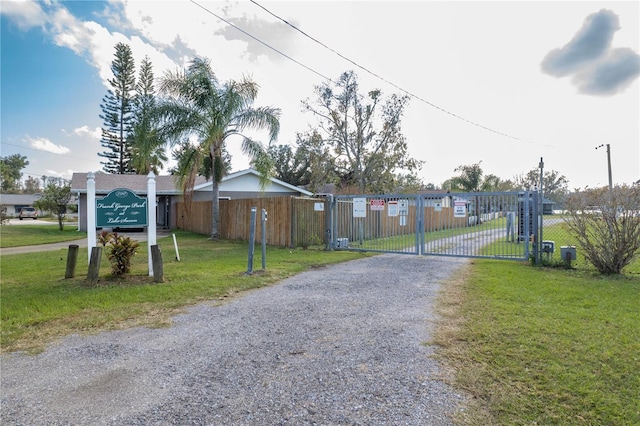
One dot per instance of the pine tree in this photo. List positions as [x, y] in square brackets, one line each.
[147, 150]
[117, 113]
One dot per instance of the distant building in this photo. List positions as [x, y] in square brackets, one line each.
[15, 202]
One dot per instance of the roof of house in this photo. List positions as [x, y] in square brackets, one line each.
[252, 177]
[106, 182]
[167, 185]
[19, 199]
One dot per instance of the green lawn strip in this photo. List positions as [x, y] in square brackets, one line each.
[39, 305]
[407, 240]
[29, 235]
[550, 346]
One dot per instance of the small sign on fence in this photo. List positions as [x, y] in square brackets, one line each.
[460, 208]
[393, 208]
[376, 205]
[359, 207]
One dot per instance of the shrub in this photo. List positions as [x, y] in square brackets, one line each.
[120, 250]
[606, 225]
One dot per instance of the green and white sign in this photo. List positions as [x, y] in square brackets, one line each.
[121, 208]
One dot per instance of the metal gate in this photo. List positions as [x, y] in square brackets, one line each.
[499, 225]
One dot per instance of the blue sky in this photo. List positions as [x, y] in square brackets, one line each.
[504, 83]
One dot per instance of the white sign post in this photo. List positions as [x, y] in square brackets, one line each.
[151, 217]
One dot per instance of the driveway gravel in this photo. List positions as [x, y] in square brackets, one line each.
[345, 344]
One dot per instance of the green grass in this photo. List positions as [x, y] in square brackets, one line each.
[39, 305]
[28, 235]
[544, 346]
[408, 240]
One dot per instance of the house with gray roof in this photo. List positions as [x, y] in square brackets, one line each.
[15, 202]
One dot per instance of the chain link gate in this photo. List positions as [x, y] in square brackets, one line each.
[497, 225]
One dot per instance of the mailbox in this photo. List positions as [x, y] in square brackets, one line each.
[548, 247]
[568, 253]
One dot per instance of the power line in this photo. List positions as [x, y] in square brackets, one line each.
[431, 104]
[259, 41]
[39, 150]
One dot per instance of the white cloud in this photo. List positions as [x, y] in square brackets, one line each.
[43, 144]
[26, 14]
[95, 133]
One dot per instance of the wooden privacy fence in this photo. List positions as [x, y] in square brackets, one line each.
[292, 221]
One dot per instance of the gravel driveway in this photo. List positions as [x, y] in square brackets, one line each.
[340, 345]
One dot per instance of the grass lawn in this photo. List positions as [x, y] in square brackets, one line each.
[39, 305]
[543, 346]
[28, 235]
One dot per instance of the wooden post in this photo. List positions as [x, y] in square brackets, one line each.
[156, 259]
[94, 265]
[72, 259]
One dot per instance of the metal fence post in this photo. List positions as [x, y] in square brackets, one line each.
[252, 238]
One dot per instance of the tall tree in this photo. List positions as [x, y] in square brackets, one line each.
[555, 185]
[117, 113]
[365, 139]
[147, 149]
[11, 172]
[198, 106]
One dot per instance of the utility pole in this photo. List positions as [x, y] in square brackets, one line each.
[540, 212]
[608, 164]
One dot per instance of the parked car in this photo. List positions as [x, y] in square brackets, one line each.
[28, 212]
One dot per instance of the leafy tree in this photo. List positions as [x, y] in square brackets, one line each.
[147, 149]
[186, 153]
[31, 185]
[198, 106]
[606, 225]
[410, 183]
[55, 198]
[11, 172]
[117, 113]
[366, 145]
[471, 178]
[555, 185]
[317, 154]
[293, 167]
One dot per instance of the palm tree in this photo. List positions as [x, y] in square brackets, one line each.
[199, 108]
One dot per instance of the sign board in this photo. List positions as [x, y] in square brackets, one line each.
[318, 207]
[392, 209]
[121, 208]
[403, 207]
[359, 207]
[460, 208]
[376, 205]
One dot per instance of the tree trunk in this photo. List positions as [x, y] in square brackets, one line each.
[215, 199]
[215, 209]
